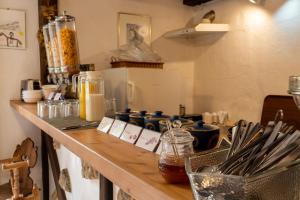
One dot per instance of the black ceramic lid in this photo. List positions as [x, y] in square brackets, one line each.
[177, 117]
[200, 126]
[127, 111]
[140, 114]
[158, 115]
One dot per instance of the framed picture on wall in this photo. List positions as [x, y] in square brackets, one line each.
[133, 27]
[12, 29]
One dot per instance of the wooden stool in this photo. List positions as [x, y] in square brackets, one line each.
[24, 158]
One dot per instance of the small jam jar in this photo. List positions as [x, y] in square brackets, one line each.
[177, 144]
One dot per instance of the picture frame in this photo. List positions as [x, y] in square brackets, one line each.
[12, 29]
[148, 140]
[129, 23]
[131, 133]
[117, 128]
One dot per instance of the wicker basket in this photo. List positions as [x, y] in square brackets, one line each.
[132, 64]
[275, 184]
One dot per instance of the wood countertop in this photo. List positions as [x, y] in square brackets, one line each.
[131, 168]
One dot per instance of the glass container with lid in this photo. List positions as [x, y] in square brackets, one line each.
[138, 118]
[152, 121]
[177, 145]
[68, 45]
[206, 135]
[54, 46]
[94, 96]
[48, 48]
[79, 89]
[124, 115]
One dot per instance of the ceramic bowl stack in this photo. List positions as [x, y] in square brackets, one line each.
[31, 96]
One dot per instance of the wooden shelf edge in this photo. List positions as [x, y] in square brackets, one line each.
[129, 181]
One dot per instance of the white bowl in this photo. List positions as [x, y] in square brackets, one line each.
[32, 93]
[32, 100]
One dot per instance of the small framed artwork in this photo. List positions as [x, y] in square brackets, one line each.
[131, 133]
[105, 124]
[117, 128]
[148, 140]
[133, 28]
[12, 28]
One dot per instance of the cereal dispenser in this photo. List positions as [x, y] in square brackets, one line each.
[49, 52]
[68, 45]
[54, 47]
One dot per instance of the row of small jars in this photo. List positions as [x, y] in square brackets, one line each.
[61, 45]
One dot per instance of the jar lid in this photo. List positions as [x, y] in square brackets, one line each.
[64, 18]
[294, 85]
[177, 136]
[158, 115]
[127, 111]
[200, 126]
[182, 120]
[140, 114]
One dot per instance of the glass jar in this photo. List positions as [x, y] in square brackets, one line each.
[177, 144]
[54, 47]
[48, 48]
[94, 96]
[67, 41]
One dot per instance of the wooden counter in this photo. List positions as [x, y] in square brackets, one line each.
[131, 168]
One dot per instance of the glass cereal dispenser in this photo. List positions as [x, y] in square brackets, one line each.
[54, 47]
[49, 52]
[67, 42]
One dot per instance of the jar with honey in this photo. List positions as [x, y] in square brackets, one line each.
[177, 144]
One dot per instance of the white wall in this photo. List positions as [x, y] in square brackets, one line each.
[236, 71]
[16, 65]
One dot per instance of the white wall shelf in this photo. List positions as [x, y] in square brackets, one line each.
[200, 29]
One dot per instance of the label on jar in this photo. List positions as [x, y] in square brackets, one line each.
[117, 128]
[131, 133]
[148, 140]
[105, 124]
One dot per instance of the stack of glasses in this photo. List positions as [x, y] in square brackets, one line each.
[50, 109]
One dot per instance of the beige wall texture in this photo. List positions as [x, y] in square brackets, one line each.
[235, 71]
[16, 65]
